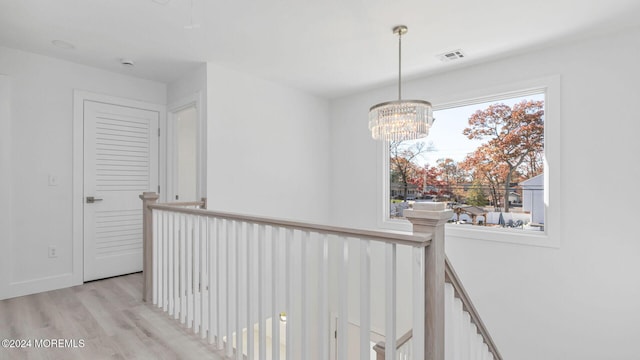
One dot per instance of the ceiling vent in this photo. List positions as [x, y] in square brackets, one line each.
[451, 55]
[127, 62]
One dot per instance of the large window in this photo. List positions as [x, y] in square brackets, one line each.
[485, 159]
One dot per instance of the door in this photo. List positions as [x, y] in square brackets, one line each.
[185, 154]
[120, 163]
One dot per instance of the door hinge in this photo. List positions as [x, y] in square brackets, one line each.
[158, 132]
[158, 189]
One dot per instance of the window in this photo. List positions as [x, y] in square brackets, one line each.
[486, 159]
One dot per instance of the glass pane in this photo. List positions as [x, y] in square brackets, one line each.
[484, 160]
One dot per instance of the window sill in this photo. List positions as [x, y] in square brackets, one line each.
[508, 236]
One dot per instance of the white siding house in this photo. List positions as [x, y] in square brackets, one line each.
[533, 198]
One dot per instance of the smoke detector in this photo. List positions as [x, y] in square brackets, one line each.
[451, 55]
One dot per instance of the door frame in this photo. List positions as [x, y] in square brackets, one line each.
[201, 171]
[79, 97]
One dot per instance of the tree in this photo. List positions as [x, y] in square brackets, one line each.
[515, 136]
[453, 176]
[476, 195]
[486, 171]
[402, 164]
[430, 180]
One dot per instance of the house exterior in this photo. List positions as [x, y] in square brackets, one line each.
[566, 309]
[533, 198]
[397, 191]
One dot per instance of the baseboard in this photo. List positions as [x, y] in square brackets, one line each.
[39, 285]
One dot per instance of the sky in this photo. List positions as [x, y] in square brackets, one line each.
[445, 136]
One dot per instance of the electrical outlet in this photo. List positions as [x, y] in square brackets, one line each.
[53, 252]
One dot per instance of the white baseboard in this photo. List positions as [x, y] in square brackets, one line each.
[39, 285]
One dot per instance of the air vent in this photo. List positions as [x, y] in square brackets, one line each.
[451, 55]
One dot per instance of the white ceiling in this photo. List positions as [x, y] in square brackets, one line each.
[327, 47]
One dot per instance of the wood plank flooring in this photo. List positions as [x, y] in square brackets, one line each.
[108, 315]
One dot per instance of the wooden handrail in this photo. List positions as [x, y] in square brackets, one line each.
[452, 278]
[202, 203]
[459, 291]
[394, 237]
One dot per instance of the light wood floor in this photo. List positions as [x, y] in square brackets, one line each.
[108, 315]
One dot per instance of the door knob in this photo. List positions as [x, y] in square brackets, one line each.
[91, 199]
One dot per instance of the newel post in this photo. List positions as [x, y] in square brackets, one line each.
[430, 217]
[148, 198]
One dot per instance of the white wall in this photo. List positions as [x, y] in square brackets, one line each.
[267, 148]
[578, 301]
[5, 181]
[190, 83]
[41, 133]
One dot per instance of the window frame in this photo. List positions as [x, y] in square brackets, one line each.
[550, 237]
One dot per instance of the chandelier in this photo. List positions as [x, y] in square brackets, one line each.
[400, 120]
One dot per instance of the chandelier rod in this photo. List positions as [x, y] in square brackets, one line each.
[400, 30]
[399, 64]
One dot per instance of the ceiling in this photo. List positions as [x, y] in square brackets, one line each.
[329, 48]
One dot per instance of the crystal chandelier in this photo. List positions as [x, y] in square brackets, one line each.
[400, 120]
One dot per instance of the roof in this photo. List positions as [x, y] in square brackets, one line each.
[473, 210]
[534, 181]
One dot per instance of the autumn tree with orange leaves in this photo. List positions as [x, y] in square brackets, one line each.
[402, 163]
[515, 143]
[452, 176]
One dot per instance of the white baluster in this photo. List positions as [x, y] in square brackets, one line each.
[275, 290]
[219, 282]
[196, 275]
[170, 258]
[212, 273]
[155, 255]
[390, 303]
[466, 338]
[251, 243]
[478, 347]
[162, 278]
[176, 267]
[365, 300]
[449, 325]
[204, 276]
[323, 303]
[343, 307]
[304, 303]
[289, 295]
[183, 269]
[240, 276]
[229, 266]
[189, 270]
[418, 302]
[262, 341]
[459, 326]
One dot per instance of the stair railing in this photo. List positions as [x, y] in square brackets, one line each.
[451, 277]
[467, 305]
[224, 274]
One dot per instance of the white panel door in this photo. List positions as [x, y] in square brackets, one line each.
[120, 163]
